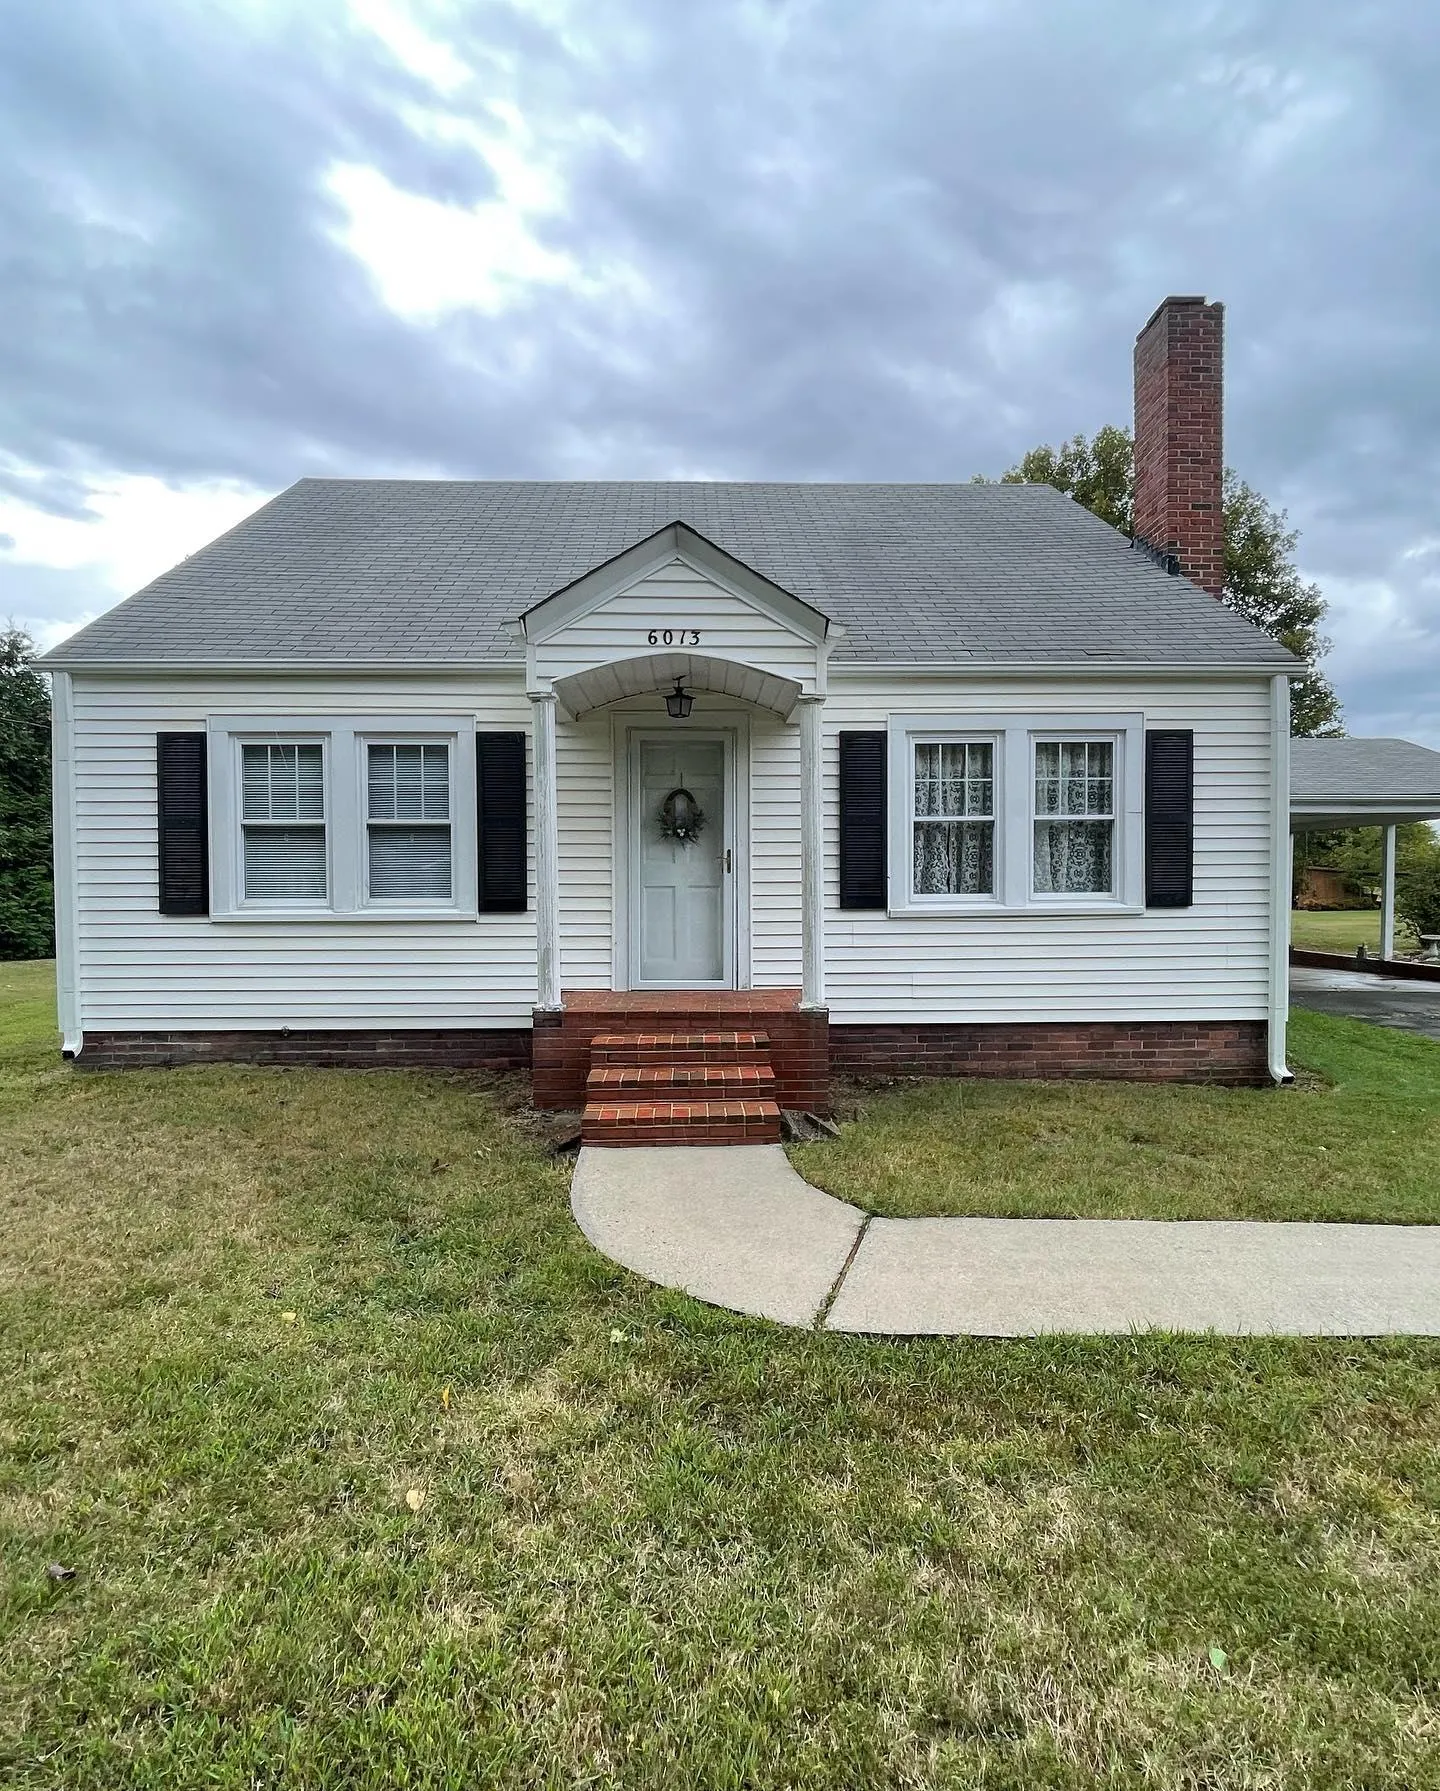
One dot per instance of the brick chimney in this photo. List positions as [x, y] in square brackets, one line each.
[1179, 459]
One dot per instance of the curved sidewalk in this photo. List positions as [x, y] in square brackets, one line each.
[736, 1226]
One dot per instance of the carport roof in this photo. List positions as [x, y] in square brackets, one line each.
[1362, 783]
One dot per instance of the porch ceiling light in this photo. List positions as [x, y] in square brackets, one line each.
[677, 703]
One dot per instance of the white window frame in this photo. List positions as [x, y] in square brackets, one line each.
[236, 758]
[994, 738]
[385, 904]
[345, 740]
[1071, 899]
[1015, 737]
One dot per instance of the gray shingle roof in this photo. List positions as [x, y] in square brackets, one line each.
[378, 571]
[1350, 770]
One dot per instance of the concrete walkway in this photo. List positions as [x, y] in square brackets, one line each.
[736, 1226]
[1356, 995]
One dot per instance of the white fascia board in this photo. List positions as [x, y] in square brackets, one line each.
[1317, 815]
[512, 668]
[856, 669]
[543, 620]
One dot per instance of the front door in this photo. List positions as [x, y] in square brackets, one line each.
[681, 920]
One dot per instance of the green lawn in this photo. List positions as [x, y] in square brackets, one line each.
[1358, 1139]
[1342, 930]
[246, 1313]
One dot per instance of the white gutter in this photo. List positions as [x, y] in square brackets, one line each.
[1280, 870]
[67, 904]
[513, 663]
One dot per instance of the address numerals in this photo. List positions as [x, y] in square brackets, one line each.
[674, 637]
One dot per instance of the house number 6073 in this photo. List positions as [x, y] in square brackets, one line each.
[674, 637]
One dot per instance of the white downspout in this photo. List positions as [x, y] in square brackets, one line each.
[1280, 873]
[67, 901]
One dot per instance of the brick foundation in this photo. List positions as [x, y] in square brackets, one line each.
[440, 1048]
[1232, 1052]
[799, 1052]
[804, 1047]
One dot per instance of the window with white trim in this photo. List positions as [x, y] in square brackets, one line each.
[953, 789]
[407, 822]
[1013, 814]
[334, 817]
[1074, 817]
[282, 822]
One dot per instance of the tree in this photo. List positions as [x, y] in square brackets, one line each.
[27, 898]
[1417, 896]
[1261, 580]
[1357, 852]
[1263, 585]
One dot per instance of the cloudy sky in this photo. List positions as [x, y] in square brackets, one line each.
[248, 240]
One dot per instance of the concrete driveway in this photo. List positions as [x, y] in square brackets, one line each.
[1383, 1000]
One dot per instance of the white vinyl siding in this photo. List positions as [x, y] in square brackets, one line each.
[146, 971]
[680, 601]
[137, 969]
[1080, 958]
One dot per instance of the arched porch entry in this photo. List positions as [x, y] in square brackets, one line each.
[654, 876]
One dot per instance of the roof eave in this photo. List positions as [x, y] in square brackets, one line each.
[58, 661]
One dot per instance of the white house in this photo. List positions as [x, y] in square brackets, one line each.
[745, 782]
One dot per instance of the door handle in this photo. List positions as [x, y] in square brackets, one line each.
[727, 861]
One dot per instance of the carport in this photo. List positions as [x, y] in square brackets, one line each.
[1365, 783]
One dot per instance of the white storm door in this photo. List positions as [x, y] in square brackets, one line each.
[682, 921]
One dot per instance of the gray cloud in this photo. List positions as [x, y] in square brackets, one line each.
[856, 241]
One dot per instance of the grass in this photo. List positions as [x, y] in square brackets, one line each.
[1358, 1140]
[245, 1313]
[1341, 930]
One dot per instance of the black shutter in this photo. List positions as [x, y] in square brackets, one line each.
[184, 851]
[500, 790]
[1169, 818]
[862, 820]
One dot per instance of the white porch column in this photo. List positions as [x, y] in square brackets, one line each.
[547, 855]
[1387, 893]
[812, 854]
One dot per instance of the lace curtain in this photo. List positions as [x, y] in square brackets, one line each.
[954, 818]
[1074, 779]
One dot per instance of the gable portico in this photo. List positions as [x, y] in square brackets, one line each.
[676, 613]
[676, 618]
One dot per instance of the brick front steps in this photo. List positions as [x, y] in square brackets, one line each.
[564, 1051]
[680, 1088]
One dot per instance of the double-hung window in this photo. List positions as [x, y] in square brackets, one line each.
[954, 818]
[343, 817]
[1015, 813]
[282, 822]
[1074, 817]
[407, 822]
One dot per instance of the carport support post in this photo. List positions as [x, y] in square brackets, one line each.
[547, 855]
[812, 853]
[1387, 893]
